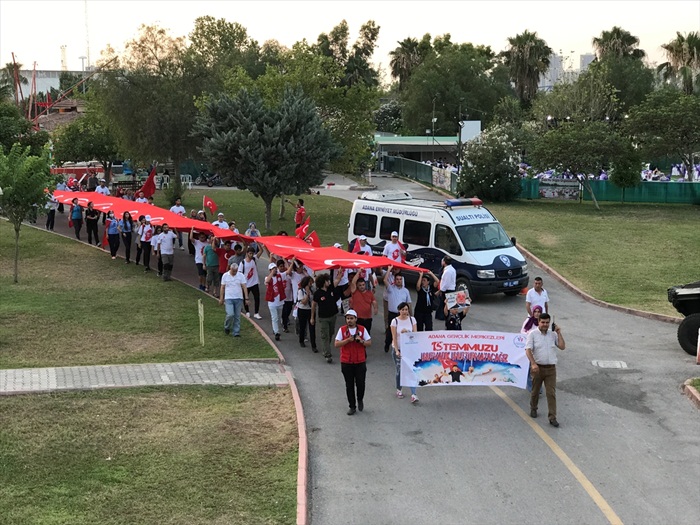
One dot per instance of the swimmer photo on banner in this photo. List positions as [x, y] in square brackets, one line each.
[463, 358]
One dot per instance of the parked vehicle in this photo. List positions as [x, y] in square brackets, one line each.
[485, 259]
[686, 299]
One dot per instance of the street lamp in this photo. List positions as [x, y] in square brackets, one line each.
[82, 66]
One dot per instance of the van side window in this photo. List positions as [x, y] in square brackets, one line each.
[365, 224]
[417, 232]
[388, 225]
[445, 239]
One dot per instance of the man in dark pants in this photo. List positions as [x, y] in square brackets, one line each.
[396, 294]
[353, 339]
[543, 359]
[425, 301]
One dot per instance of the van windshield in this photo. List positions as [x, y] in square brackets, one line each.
[490, 236]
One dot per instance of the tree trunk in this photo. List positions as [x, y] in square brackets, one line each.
[16, 277]
[268, 213]
[587, 184]
[281, 217]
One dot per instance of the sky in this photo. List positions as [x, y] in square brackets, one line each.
[35, 30]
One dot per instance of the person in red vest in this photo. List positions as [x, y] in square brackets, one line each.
[353, 340]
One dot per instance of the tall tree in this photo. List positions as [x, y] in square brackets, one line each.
[84, 139]
[459, 76]
[527, 59]
[683, 65]
[23, 178]
[619, 43]
[7, 78]
[148, 97]
[667, 123]
[354, 62]
[269, 150]
[404, 59]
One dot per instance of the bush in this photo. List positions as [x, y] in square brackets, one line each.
[490, 166]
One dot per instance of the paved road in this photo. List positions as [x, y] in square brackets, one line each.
[627, 449]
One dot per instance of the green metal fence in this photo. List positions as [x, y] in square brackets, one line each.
[409, 168]
[651, 192]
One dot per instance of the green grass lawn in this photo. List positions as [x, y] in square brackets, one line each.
[172, 455]
[627, 254]
[75, 306]
[329, 215]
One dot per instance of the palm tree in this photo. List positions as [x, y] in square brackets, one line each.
[7, 79]
[404, 59]
[527, 58]
[618, 43]
[683, 64]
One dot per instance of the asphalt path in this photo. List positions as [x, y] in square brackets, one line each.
[627, 450]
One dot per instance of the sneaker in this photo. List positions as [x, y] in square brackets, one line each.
[247, 314]
[351, 412]
[360, 406]
[113, 258]
[554, 423]
[302, 344]
[533, 413]
[257, 316]
[227, 331]
[277, 337]
[329, 359]
[182, 248]
[314, 350]
[414, 398]
[399, 394]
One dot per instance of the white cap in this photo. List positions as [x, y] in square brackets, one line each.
[148, 218]
[220, 214]
[337, 245]
[394, 234]
[271, 266]
[363, 238]
[351, 312]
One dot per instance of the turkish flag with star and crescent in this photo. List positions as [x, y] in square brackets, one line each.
[302, 230]
[208, 202]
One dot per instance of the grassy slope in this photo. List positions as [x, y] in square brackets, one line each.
[75, 306]
[173, 455]
[627, 254]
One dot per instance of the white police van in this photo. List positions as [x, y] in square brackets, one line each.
[485, 258]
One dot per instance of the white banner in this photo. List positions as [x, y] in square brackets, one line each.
[469, 357]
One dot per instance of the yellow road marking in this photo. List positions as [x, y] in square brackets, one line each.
[603, 505]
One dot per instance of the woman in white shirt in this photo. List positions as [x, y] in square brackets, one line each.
[403, 323]
[305, 296]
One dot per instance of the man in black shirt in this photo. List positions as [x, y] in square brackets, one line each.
[324, 310]
[426, 286]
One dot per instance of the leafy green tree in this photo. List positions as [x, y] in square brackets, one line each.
[626, 168]
[355, 62]
[582, 148]
[527, 59]
[388, 117]
[266, 149]
[667, 123]
[7, 79]
[84, 139]
[14, 128]
[409, 54]
[631, 80]
[148, 97]
[23, 178]
[490, 166]
[683, 65]
[619, 43]
[457, 76]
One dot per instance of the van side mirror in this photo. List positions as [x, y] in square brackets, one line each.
[512, 239]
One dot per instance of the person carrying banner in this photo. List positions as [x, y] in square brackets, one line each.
[304, 299]
[353, 340]
[396, 294]
[211, 265]
[275, 296]
[540, 351]
[200, 242]
[126, 227]
[324, 310]
[112, 234]
[399, 325]
[76, 217]
[91, 218]
[179, 209]
[166, 251]
[248, 267]
[426, 286]
[363, 302]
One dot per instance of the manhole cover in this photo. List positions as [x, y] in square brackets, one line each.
[609, 364]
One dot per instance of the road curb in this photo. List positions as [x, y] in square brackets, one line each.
[691, 393]
[303, 463]
[571, 287]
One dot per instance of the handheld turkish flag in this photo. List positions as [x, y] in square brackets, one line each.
[303, 229]
[208, 202]
[149, 187]
[105, 237]
[313, 240]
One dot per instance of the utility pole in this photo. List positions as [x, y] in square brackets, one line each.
[433, 132]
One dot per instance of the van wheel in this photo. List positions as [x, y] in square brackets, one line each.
[688, 333]
[464, 282]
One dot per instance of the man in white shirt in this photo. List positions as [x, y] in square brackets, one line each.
[102, 189]
[199, 242]
[540, 351]
[448, 281]
[233, 294]
[145, 234]
[179, 209]
[141, 198]
[537, 296]
[394, 250]
[165, 247]
[396, 294]
[220, 222]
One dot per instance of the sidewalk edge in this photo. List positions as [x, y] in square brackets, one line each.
[691, 393]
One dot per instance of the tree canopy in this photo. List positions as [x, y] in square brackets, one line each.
[269, 149]
[527, 59]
